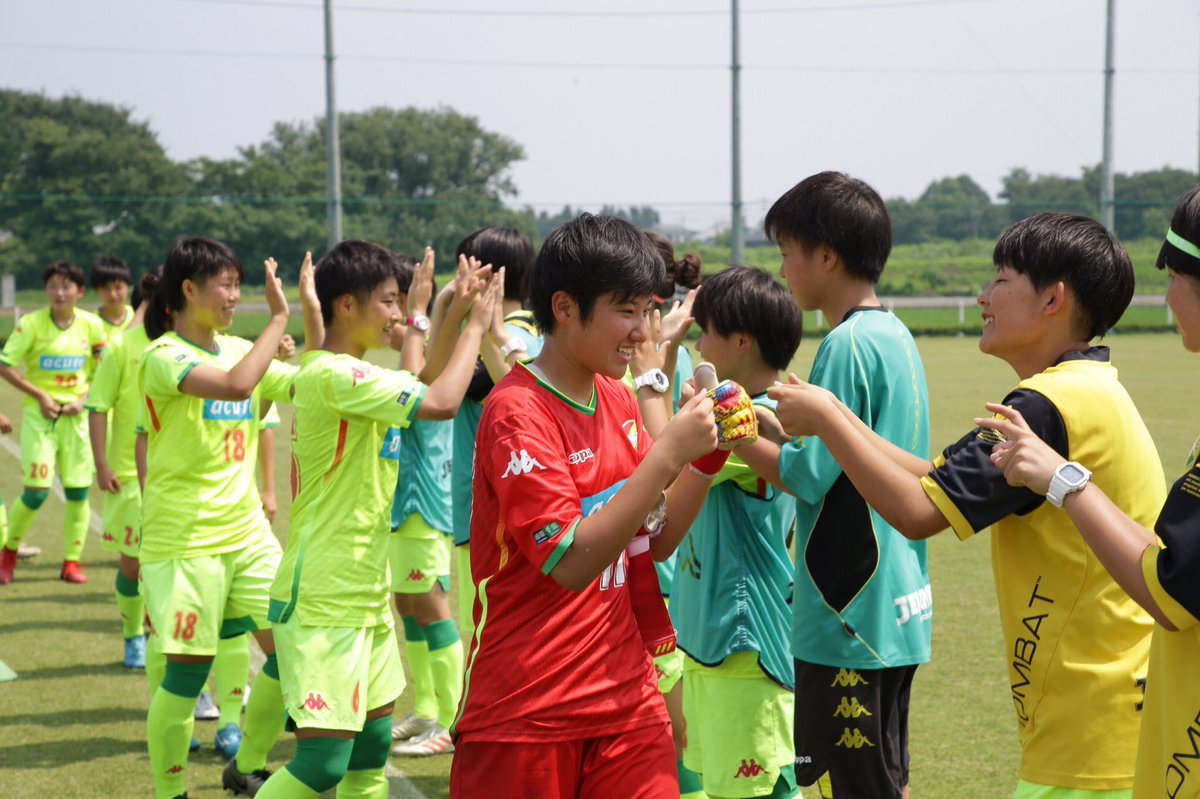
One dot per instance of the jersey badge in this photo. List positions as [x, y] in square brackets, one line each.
[631, 432]
[546, 533]
[520, 464]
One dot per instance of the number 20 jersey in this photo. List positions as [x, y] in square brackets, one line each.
[548, 664]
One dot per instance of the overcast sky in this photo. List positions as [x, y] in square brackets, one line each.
[627, 102]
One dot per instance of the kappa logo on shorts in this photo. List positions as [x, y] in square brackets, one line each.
[751, 769]
[851, 709]
[855, 740]
[237, 692]
[520, 464]
[315, 702]
[416, 575]
[848, 678]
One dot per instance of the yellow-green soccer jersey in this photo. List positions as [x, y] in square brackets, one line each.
[201, 495]
[116, 390]
[59, 361]
[1076, 645]
[345, 457]
[1168, 762]
[110, 329]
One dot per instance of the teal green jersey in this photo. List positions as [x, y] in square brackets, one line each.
[466, 424]
[425, 466]
[857, 578]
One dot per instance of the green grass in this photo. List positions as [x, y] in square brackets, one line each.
[74, 723]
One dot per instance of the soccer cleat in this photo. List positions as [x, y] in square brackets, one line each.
[434, 741]
[27, 552]
[135, 652]
[228, 741]
[8, 564]
[206, 709]
[410, 726]
[239, 783]
[194, 746]
[72, 572]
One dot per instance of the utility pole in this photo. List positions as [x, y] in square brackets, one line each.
[333, 184]
[1106, 172]
[738, 240]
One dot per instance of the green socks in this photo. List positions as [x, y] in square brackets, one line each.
[131, 605]
[690, 786]
[425, 703]
[231, 670]
[264, 719]
[169, 725]
[22, 516]
[366, 773]
[446, 666]
[75, 522]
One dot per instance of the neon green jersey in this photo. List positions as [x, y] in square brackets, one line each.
[345, 457]
[59, 361]
[201, 495]
[112, 330]
[116, 391]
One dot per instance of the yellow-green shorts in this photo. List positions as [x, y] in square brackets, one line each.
[466, 594]
[419, 556]
[670, 670]
[739, 728]
[1030, 790]
[194, 602]
[123, 518]
[62, 444]
[333, 676]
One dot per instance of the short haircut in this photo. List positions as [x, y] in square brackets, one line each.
[146, 287]
[742, 299]
[108, 269]
[1049, 247]
[502, 247]
[1185, 223]
[353, 267]
[72, 272]
[407, 264]
[682, 275]
[841, 212]
[194, 258]
[588, 258]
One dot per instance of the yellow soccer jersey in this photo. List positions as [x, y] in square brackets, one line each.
[345, 456]
[116, 390]
[1076, 645]
[112, 330]
[201, 495]
[59, 361]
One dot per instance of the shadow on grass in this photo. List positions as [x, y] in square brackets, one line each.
[75, 670]
[65, 718]
[105, 627]
[55, 754]
[67, 598]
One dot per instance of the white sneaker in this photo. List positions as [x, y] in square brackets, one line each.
[206, 709]
[434, 741]
[26, 552]
[410, 726]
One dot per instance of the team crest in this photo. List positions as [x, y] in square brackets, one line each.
[631, 432]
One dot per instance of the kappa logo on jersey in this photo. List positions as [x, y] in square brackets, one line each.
[60, 363]
[581, 457]
[855, 740]
[227, 411]
[851, 709]
[520, 464]
[391, 445]
[631, 432]
[751, 769]
[848, 679]
[314, 702]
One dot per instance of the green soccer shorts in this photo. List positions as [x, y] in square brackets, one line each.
[419, 556]
[123, 518]
[60, 444]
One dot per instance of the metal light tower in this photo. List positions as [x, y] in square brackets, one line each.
[738, 239]
[333, 186]
[1106, 173]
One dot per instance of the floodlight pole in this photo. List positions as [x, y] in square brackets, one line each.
[738, 234]
[1106, 172]
[333, 181]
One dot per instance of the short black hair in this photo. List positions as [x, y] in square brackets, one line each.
[589, 257]
[841, 212]
[404, 276]
[146, 287]
[72, 272]
[1185, 223]
[353, 267]
[109, 269]
[194, 258]
[742, 299]
[1083, 254]
[502, 247]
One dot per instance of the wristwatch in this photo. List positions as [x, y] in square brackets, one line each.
[420, 322]
[655, 379]
[514, 344]
[1067, 479]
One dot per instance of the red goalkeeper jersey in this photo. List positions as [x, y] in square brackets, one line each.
[548, 664]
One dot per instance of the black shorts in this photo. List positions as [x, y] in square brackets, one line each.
[853, 724]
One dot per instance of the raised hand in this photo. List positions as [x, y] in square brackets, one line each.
[287, 348]
[421, 288]
[308, 284]
[277, 302]
[692, 432]
[677, 321]
[483, 312]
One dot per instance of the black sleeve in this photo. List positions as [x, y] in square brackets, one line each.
[975, 486]
[1179, 528]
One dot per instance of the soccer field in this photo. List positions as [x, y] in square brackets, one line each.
[74, 723]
